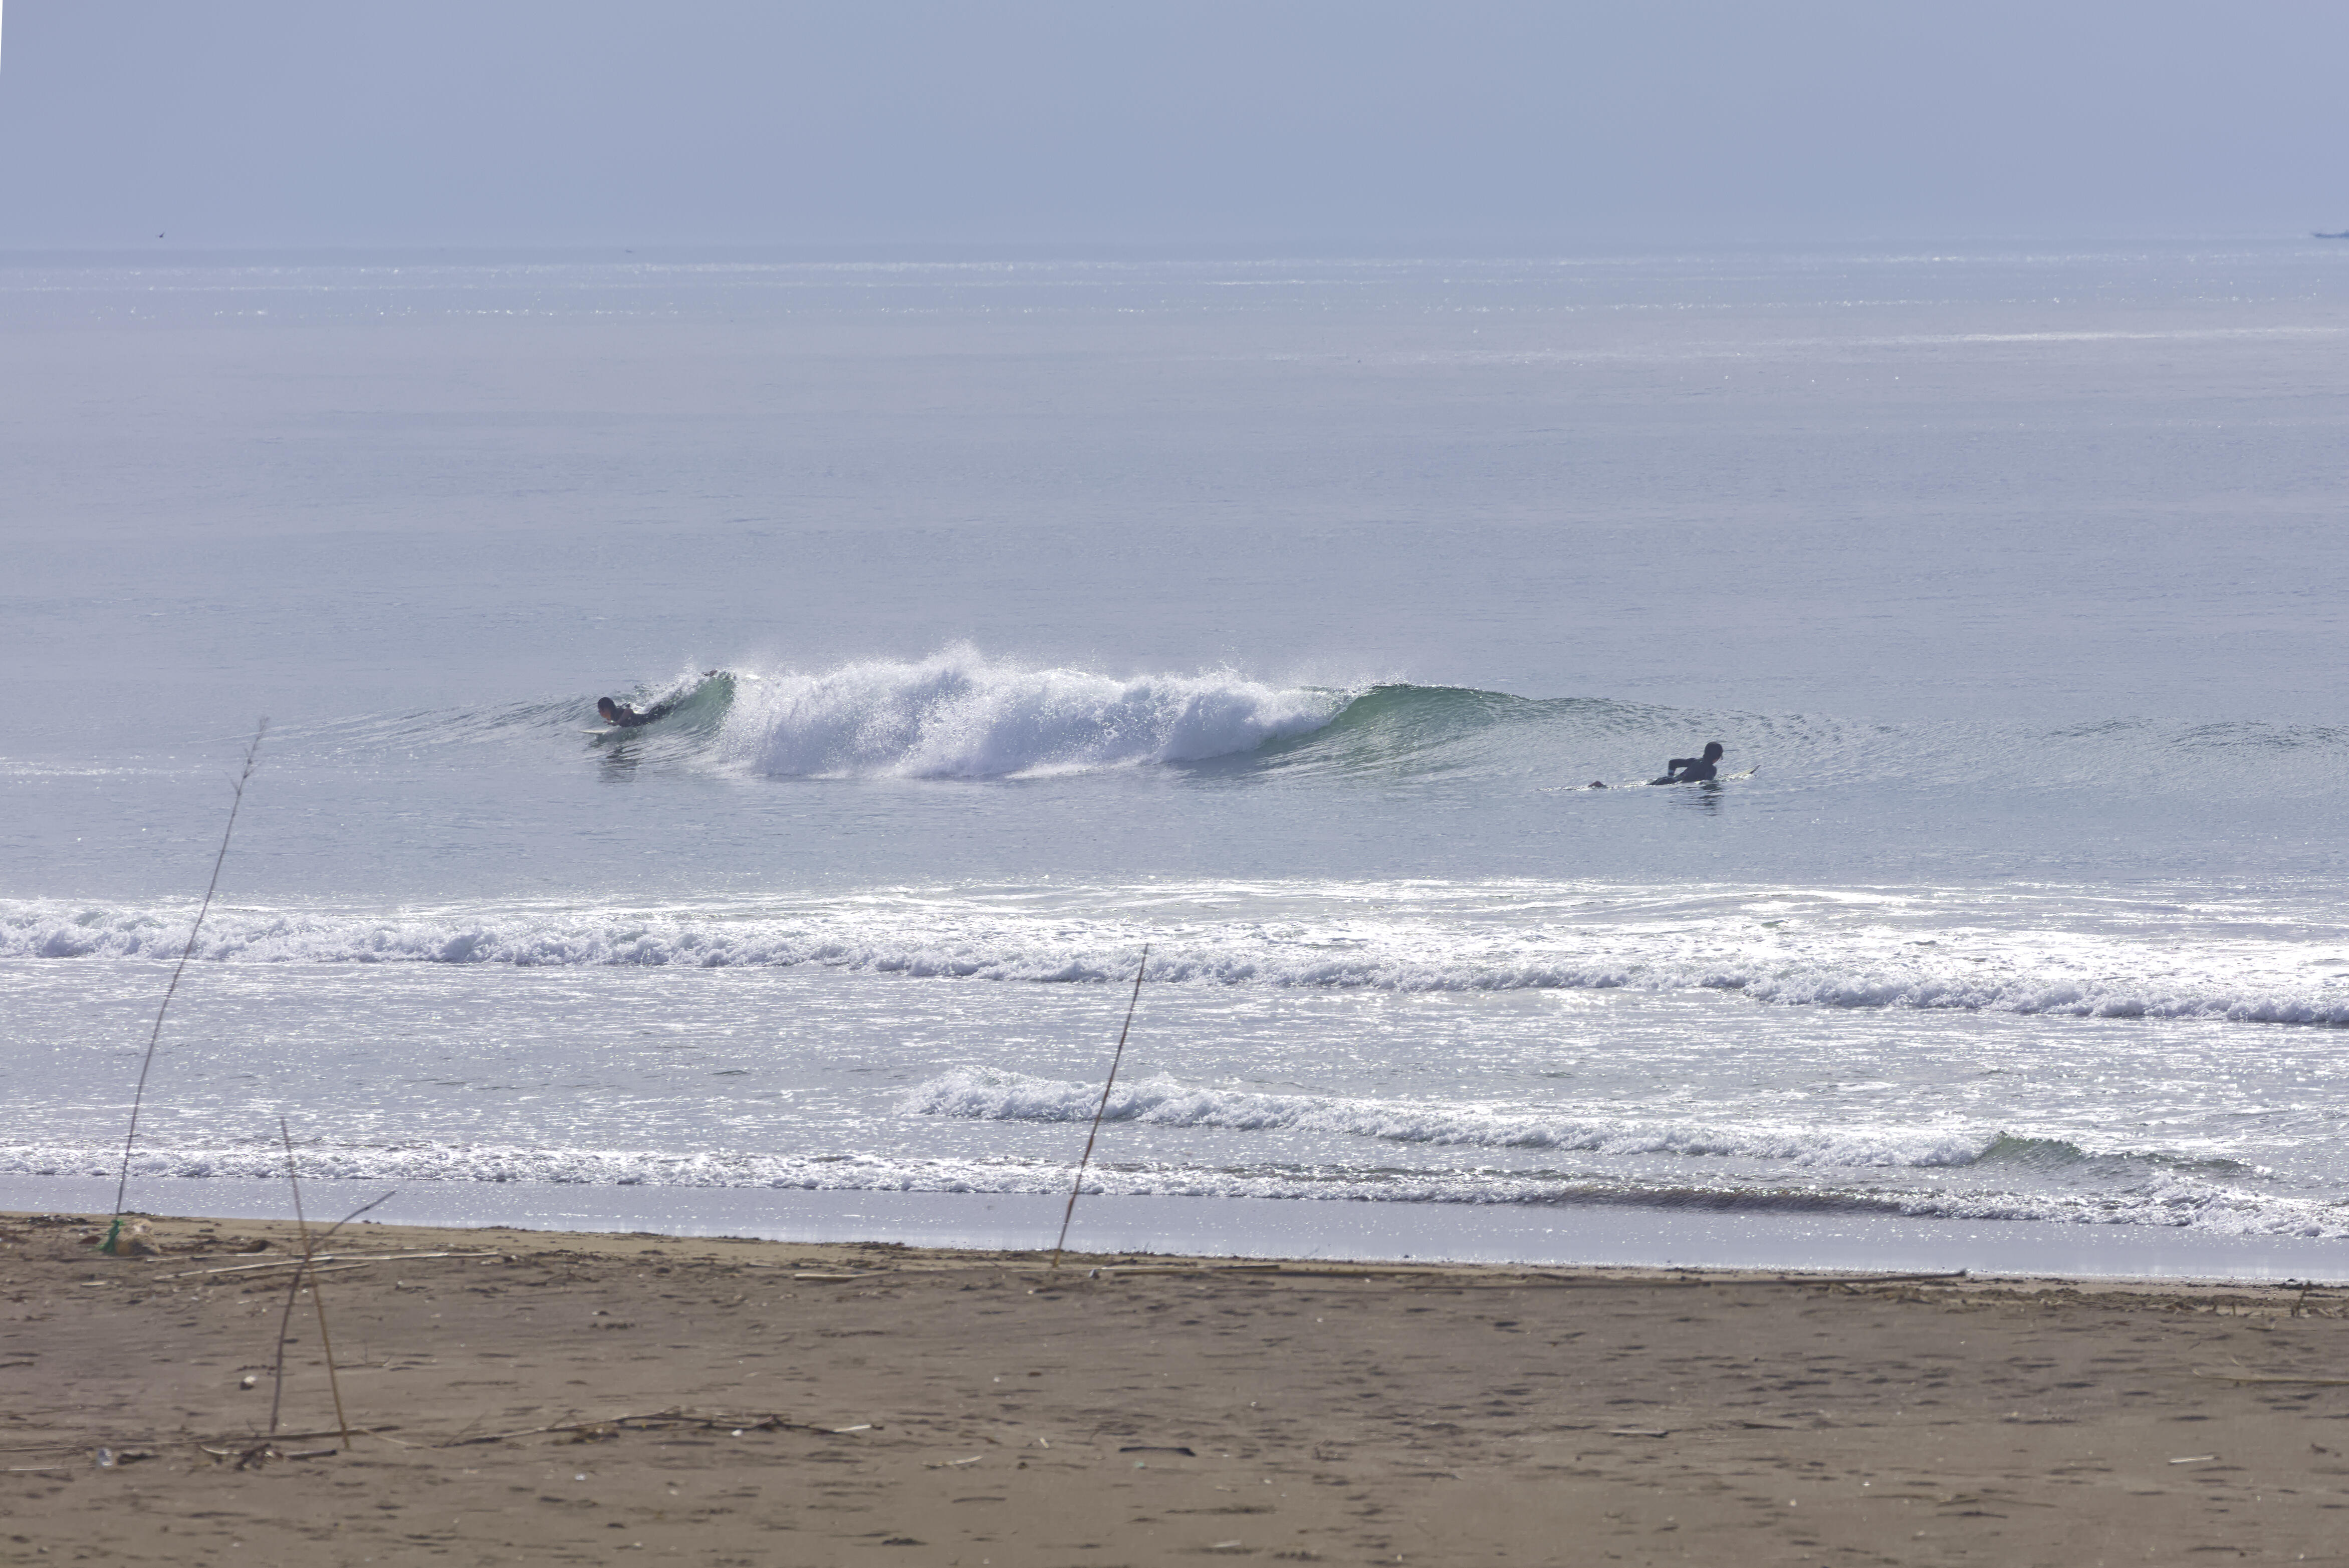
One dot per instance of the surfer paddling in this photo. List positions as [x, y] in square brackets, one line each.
[1686, 769]
[1692, 770]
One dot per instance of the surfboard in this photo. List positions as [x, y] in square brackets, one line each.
[1649, 783]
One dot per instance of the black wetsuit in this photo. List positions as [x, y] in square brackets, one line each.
[626, 718]
[1687, 769]
[1692, 770]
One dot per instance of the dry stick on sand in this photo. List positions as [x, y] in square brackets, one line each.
[1071, 1211]
[317, 1295]
[139, 1095]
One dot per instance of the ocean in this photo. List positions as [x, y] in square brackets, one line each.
[1016, 613]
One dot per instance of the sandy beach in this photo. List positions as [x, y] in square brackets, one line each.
[534, 1397]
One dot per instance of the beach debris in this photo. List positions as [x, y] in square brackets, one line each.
[1154, 1448]
[104, 1459]
[860, 1426]
[248, 1381]
[1638, 1432]
[1201, 1268]
[2306, 1288]
[741, 1424]
[136, 1241]
[2195, 1459]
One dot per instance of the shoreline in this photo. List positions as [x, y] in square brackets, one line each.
[1609, 1234]
[560, 1396]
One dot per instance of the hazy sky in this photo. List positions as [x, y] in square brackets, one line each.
[1327, 122]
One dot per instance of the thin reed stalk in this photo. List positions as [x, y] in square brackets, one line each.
[317, 1291]
[139, 1095]
[304, 1265]
[284, 1328]
[1078, 1185]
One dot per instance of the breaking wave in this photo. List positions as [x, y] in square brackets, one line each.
[959, 714]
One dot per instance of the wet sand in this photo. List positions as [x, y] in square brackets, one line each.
[557, 1397]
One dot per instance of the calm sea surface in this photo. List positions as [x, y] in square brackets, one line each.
[1275, 613]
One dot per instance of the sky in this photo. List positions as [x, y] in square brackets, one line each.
[1332, 123]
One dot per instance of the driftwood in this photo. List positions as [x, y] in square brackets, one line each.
[654, 1419]
[347, 1260]
[259, 1454]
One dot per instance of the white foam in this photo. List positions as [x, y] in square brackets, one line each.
[1854, 949]
[959, 714]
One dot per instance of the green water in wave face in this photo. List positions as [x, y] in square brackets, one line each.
[1119, 586]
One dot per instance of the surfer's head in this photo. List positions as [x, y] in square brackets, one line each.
[603, 706]
[1713, 751]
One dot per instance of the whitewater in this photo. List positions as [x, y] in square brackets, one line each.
[1278, 614]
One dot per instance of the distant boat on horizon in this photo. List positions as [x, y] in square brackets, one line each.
[2320, 235]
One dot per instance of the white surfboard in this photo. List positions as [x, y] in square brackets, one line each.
[1647, 783]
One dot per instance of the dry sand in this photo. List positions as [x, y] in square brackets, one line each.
[566, 1398]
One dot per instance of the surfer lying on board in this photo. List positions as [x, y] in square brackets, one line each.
[1692, 770]
[620, 716]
